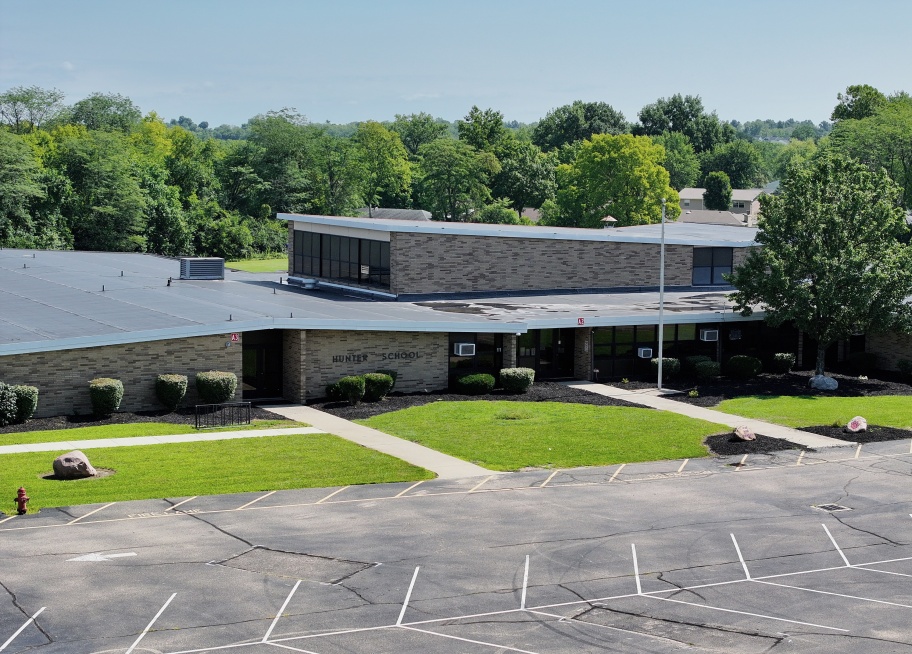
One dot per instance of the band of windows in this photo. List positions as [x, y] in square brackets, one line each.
[356, 260]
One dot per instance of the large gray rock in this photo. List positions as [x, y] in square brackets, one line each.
[823, 383]
[73, 465]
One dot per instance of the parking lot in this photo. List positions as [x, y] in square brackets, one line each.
[803, 552]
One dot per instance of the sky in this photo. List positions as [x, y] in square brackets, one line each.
[225, 61]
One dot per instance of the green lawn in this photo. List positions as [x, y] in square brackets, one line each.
[260, 265]
[129, 431]
[806, 411]
[515, 435]
[207, 468]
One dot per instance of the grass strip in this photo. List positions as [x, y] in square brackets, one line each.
[807, 411]
[513, 435]
[130, 430]
[260, 265]
[208, 468]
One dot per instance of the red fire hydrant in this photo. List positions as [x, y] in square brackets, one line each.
[21, 500]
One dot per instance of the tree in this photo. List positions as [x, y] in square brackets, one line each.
[106, 111]
[577, 121]
[417, 129]
[859, 101]
[621, 176]
[684, 114]
[831, 262]
[499, 212]
[19, 187]
[718, 193]
[384, 163]
[336, 173]
[681, 161]
[740, 160]
[28, 108]
[804, 131]
[483, 130]
[453, 178]
[526, 177]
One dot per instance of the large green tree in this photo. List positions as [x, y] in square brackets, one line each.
[417, 129]
[453, 179]
[20, 186]
[26, 108]
[577, 121]
[718, 193]
[482, 129]
[681, 161]
[859, 101]
[832, 259]
[106, 111]
[526, 177]
[621, 176]
[684, 114]
[740, 160]
[385, 168]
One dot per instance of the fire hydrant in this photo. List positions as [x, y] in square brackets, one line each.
[21, 500]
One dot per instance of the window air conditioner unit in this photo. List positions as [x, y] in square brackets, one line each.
[644, 352]
[464, 349]
[709, 334]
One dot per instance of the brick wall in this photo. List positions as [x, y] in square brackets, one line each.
[582, 355]
[294, 378]
[433, 263]
[509, 351]
[62, 377]
[420, 358]
[889, 348]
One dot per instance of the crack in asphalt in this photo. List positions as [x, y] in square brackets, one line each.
[681, 589]
[15, 603]
[196, 516]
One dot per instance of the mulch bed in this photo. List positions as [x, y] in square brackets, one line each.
[179, 417]
[728, 445]
[874, 434]
[540, 392]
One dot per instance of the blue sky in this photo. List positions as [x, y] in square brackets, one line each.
[224, 61]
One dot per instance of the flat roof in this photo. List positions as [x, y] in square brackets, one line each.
[58, 300]
[675, 233]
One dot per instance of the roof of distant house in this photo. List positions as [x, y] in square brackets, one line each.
[395, 214]
[707, 217]
[532, 214]
[739, 194]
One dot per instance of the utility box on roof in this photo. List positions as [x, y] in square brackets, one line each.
[202, 268]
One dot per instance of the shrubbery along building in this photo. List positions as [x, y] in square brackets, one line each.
[430, 300]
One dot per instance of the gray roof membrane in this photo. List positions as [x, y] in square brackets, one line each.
[56, 302]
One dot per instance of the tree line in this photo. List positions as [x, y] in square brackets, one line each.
[100, 175]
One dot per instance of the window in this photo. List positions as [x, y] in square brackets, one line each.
[738, 205]
[709, 264]
[355, 260]
[686, 203]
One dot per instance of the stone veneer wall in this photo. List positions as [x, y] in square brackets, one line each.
[294, 377]
[63, 376]
[509, 350]
[582, 355]
[422, 361]
[889, 348]
[437, 263]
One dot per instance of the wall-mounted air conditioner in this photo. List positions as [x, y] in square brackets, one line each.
[464, 349]
[644, 352]
[709, 334]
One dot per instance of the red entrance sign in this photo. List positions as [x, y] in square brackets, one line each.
[235, 338]
[580, 321]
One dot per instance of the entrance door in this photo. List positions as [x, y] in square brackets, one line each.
[547, 351]
[262, 364]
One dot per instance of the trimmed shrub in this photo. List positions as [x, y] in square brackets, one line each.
[670, 366]
[904, 366]
[105, 394]
[215, 387]
[8, 408]
[26, 401]
[351, 388]
[707, 369]
[783, 361]
[861, 363]
[170, 390]
[743, 366]
[393, 374]
[376, 386]
[517, 380]
[334, 392]
[690, 363]
[477, 384]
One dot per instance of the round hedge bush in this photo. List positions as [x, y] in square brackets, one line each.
[517, 380]
[742, 366]
[690, 363]
[215, 387]
[105, 394]
[8, 408]
[351, 388]
[393, 374]
[170, 390]
[334, 393]
[707, 369]
[376, 386]
[783, 361]
[477, 384]
[26, 401]
[671, 367]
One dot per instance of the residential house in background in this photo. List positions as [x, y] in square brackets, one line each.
[745, 204]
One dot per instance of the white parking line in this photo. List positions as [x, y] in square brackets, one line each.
[522, 599]
[335, 492]
[410, 488]
[468, 640]
[562, 618]
[800, 456]
[550, 477]
[171, 508]
[683, 464]
[747, 574]
[481, 483]
[616, 473]
[252, 502]
[836, 545]
[275, 620]
[73, 522]
[741, 463]
[22, 628]
[149, 626]
[636, 568]
[408, 596]
[7, 519]
[824, 592]
[754, 615]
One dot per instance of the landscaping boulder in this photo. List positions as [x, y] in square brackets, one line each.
[823, 383]
[73, 465]
[857, 424]
[744, 433]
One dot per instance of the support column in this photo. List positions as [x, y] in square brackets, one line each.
[294, 379]
[509, 350]
[582, 356]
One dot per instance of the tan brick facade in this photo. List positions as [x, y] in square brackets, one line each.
[63, 376]
[294, 377]
[420, 358]
[582, 355]
[439, 263]
[889, 348]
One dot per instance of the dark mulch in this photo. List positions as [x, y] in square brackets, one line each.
[179, 417]
[874, 434]
[540, 392]
[728, 445]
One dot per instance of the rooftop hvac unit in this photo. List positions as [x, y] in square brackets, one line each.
[202, 268]
[644, 352]
[709, 334]
[464, 349]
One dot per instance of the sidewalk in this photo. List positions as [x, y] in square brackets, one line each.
[657, 400]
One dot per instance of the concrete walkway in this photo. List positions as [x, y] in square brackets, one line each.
[659, 400]
[446, 466]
